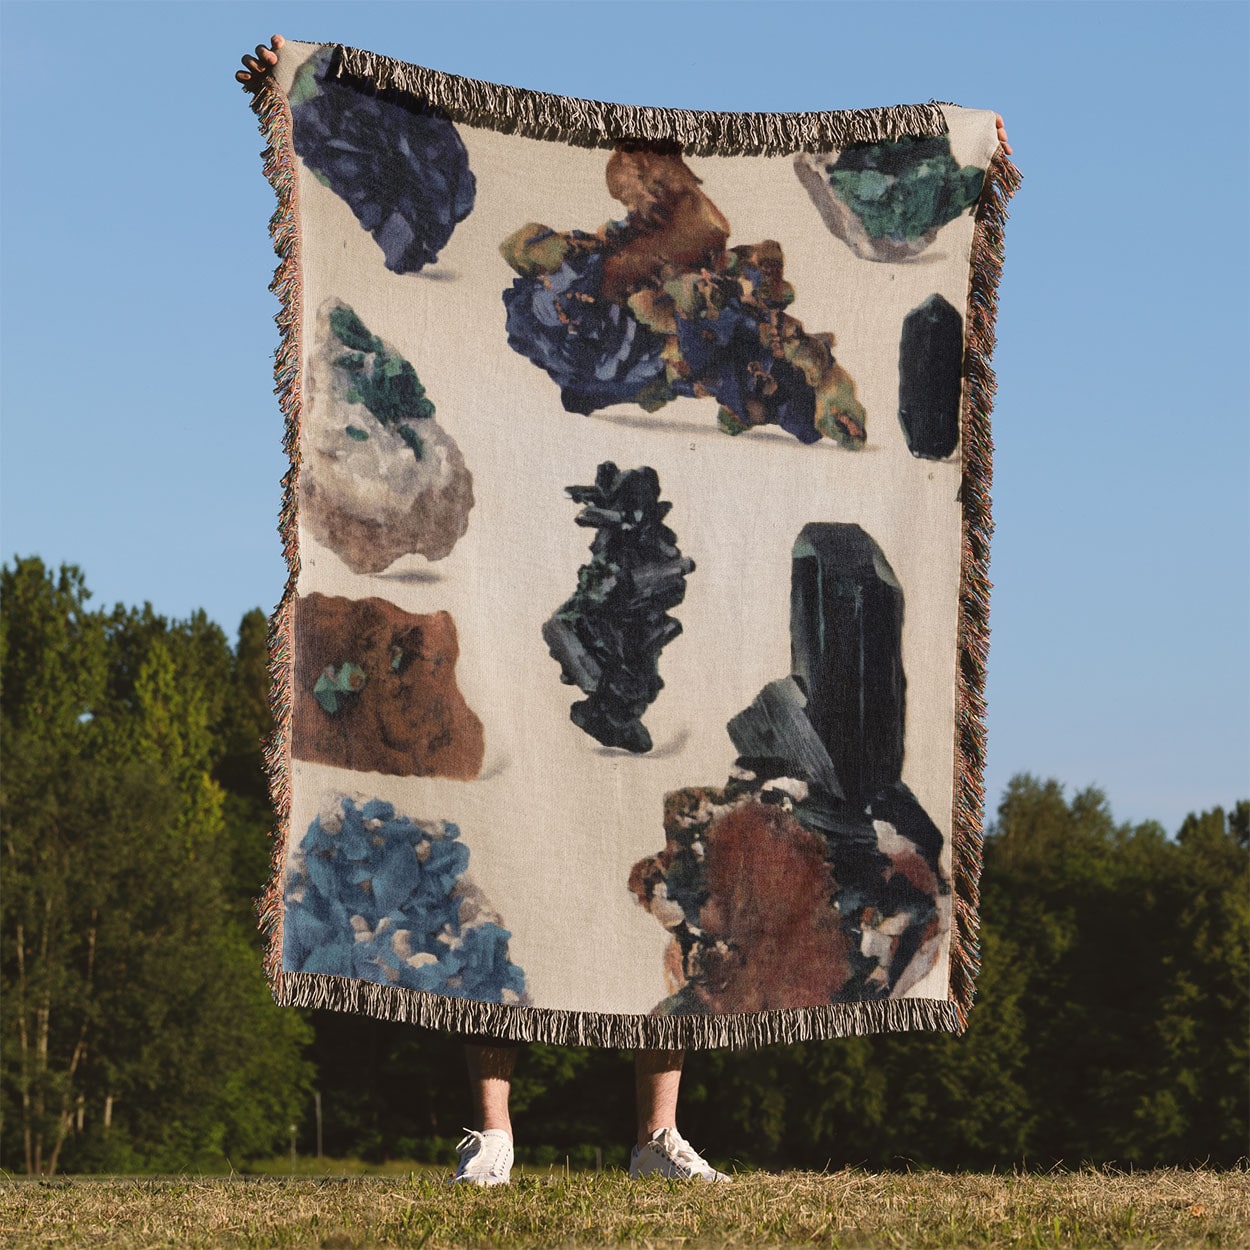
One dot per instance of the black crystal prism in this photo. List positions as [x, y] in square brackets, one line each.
[930, 378]
[775, 738]
[846, 638]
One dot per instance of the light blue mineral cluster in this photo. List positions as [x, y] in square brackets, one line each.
[376, 896]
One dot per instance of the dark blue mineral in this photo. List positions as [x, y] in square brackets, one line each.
[608, 636]
[401, 168]
[722, 344]
[597, 352]
[930, 378]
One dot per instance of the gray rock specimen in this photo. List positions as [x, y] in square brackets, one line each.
[380, 478]
[930, 378]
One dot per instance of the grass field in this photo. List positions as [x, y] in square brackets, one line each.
[1167, 1208]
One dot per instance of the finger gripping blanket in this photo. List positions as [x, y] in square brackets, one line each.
[628, 676]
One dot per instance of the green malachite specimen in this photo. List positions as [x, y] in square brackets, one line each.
[903, 189]
[381, 478]
[382, 380]
[336, 688]
[887, 201]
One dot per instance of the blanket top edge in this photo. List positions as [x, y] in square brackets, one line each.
[597, 123]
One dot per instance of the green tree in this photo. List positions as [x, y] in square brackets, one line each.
[1134, 949]
[139, 1030]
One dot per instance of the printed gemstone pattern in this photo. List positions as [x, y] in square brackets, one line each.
[930, 378]
[402, 169]
[886, 201]
[609, 635]
[814, 847]
[375, 690]
[381, 897]
[381, 478]
[655, 307]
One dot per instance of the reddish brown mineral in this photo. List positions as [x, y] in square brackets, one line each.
[674, 223]
[767, 935]
[773, 936]
[375, 690]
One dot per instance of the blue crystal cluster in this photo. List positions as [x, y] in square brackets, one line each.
[597, 352]
[378, 897]
[401, 169]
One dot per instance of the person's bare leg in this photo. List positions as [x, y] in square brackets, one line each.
[490, 1080]
[657, 1079]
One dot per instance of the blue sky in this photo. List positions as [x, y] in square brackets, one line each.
[141, 438]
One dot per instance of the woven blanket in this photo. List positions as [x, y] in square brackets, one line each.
[628, 677]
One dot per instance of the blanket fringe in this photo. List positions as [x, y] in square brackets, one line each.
[274, 114]
[1002, 179]
[627, 1032]
[593, 123]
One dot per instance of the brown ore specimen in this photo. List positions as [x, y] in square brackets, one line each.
[758, 931]
[375, 690]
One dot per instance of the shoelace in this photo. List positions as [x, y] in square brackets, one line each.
[495, 1146]
[683, 1153]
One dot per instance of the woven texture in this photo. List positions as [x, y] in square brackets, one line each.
[628, 676]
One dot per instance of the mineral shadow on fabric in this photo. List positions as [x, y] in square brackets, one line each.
[375, 690]
[608, 635]
[657, 306]
[380, 478]
[379, 896]
[813, 876]
[930, 378]
[886, 201]
[402, 169]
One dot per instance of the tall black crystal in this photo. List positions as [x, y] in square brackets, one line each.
[930, 378]
[608, 635]
[846, 637]
[825, 746]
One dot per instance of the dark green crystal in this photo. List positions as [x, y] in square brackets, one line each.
[380, 379]
[334, 689]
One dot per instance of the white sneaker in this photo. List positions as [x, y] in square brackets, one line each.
[485, 1158]
[668, 1153]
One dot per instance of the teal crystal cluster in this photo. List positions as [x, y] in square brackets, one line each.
[902, 189]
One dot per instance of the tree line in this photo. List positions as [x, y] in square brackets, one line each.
[137, 1032]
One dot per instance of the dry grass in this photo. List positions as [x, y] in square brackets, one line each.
[843, 1209]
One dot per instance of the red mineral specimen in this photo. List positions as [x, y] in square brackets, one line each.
[375, 690]
[774, 939]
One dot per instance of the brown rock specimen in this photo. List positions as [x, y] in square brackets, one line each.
[375, 690]
[757, 931]
[673, 224]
